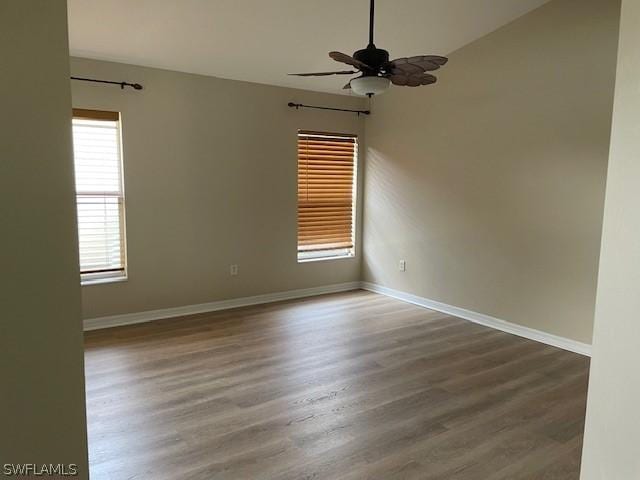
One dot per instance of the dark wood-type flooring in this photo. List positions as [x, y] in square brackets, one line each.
[348, 386]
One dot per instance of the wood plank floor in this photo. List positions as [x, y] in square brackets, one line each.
[349, 386]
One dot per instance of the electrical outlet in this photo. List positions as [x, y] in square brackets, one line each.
[233, 270]
[403, 266]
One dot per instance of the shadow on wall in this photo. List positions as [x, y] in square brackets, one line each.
[397, 229]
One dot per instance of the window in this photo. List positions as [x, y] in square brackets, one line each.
[326, 195]
[99, 195]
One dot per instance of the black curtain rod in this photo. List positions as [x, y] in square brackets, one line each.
[358, 112]
[135, 86]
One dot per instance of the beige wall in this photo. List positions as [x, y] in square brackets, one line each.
[210, 180]
[612, 438]
[490, 184]
[42, 414]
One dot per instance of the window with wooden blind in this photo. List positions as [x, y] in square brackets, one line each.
[326, 195]
[99, 195]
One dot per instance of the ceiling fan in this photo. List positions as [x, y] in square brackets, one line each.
[377, 72]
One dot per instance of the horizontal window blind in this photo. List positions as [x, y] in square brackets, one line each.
[326, 169]
[99, 193]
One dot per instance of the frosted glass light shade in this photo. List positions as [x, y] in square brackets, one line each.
[369, 85]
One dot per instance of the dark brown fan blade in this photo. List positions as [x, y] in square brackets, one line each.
[344, 58]
[324, 74]
[412, 80]
[417, 64]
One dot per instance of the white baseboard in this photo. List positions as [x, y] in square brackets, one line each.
[482, 319]
[148, 316]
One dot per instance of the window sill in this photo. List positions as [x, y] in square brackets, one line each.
[101, 281]
[322, 259]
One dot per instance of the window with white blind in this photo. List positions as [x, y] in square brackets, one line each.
[326, 195]
[99, 194]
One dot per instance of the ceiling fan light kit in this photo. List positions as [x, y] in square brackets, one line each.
[369, 85]
[378, 72]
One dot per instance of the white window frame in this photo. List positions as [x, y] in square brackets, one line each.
[336, 253]
[111, 275]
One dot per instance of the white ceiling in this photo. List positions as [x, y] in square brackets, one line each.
[263, 40]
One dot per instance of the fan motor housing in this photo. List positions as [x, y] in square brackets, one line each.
[372, 56]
